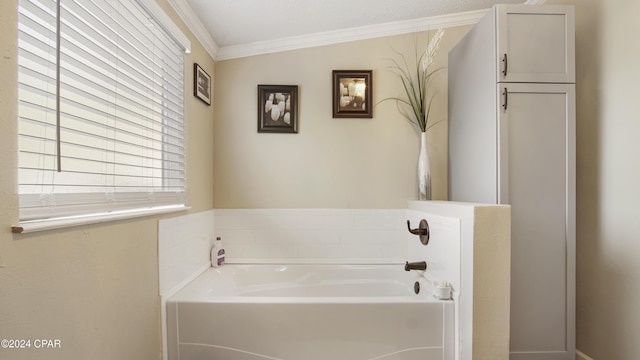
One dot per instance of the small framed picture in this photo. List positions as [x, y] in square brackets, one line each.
[352, 91]
[278, 108]
[201, 84]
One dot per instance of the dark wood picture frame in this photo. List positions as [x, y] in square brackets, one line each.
[352, 90]
[278, 109]
[201, 84]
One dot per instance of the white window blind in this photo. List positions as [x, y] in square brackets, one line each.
[101, 109]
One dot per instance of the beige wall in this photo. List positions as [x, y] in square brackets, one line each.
[93, 287]
[608, 174]
[330, 163]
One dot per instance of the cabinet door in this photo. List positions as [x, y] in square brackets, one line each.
[537, 178]
[535, 44]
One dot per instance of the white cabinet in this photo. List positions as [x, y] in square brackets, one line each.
[512, 141]
[535, 44]
[537, 177]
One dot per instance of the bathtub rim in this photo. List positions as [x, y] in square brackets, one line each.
[425, 296]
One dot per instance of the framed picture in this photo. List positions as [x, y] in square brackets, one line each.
[278, 108]
[201, 84]
[352, 91]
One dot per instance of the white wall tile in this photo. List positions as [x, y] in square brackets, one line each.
[233, 221]
[394, 219]
[313, 251]
[236, 236]
[367, 221]
[308, 234]
[298, 235]
[184, 243]
[257, 251]
[324, 237]
[283, 251]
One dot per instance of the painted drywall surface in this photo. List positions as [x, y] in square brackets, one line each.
[491, 276]
[95, 288]
[608, 173]
[330, 163]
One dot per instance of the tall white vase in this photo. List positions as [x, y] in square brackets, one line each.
[424, 170]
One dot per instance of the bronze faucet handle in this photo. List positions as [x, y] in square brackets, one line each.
[422, 231]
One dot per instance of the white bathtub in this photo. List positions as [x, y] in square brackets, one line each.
[309, 312]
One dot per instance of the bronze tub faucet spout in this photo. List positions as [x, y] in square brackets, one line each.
[419, 265]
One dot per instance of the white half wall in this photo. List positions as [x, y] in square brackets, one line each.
[482, 281]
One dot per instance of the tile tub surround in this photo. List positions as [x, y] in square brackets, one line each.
[184, 243]
[347, 236]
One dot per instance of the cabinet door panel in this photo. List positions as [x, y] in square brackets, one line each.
[539, 44]
[536, 149]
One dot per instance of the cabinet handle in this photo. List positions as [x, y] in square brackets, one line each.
[506, 64]
[506, 98]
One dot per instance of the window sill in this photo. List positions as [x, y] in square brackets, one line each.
[61, 223]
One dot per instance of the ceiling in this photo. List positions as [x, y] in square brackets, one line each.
[238, 28]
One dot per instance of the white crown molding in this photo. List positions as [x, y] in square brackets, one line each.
[189, 17]
[346, 35]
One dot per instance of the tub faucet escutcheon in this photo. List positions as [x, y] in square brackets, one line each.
[422, 231]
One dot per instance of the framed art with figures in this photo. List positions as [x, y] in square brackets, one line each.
[278, 109]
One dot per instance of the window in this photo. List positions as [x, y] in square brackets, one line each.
[101, 108]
